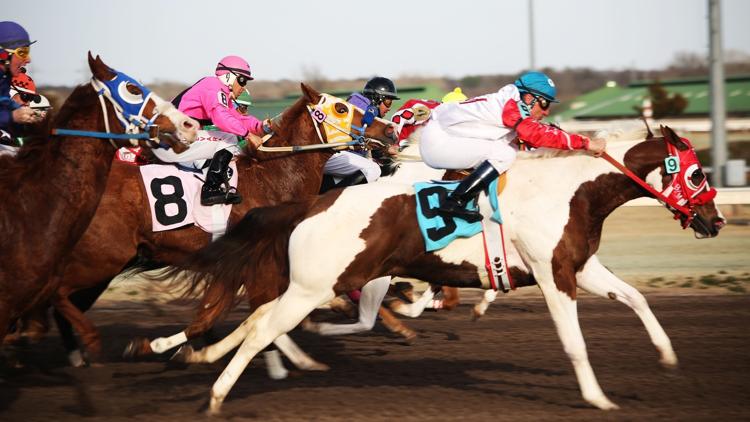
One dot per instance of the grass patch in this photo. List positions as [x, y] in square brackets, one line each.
[737, 289]
[657, 279]
[710, 280]
[722, 272]
[132, 293]
[687, 284]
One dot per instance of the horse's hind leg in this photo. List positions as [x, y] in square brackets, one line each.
[597, 279]
[266, 324]
[563, 309]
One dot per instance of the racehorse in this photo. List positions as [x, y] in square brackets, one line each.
[337, 242]
[122, 227]
[51, 189]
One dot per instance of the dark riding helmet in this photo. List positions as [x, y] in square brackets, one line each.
[13, 35]
[379, 88]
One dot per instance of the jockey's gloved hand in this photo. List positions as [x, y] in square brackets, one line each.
[26, 115]
[596, 146]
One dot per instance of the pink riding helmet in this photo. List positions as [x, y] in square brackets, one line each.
[234, 64]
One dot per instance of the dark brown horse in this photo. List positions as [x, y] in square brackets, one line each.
[122, 228]
[51, 189]
[341, 240]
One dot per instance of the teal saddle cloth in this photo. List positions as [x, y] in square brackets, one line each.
[439, 231]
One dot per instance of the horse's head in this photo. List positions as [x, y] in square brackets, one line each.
[682, 181]
[344, 122]
[139, 109]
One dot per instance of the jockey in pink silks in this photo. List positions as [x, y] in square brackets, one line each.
[210, 101]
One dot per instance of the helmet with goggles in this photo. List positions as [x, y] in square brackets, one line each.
[232, 68]
[379, 89]
[537, 84]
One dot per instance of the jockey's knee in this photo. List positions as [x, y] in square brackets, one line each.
[372, 173]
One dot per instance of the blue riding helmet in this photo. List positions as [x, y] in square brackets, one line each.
[12, 35]
[537, 83]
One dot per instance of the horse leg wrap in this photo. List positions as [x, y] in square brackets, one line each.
[161, 344]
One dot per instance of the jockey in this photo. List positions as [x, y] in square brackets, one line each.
[243, 102]
[14, 54]
[354, 166]
[482, 133]
[210, 102]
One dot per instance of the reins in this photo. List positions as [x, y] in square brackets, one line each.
[357, 139]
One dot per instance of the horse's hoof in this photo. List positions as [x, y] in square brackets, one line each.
[408, 335]
[475, 314]
[77, 359]
[137, 347]
[183, 354]
[603, 403]
[317, 366]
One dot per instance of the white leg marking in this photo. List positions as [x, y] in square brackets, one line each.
[369, 303]
[162, 344]
[597, 279]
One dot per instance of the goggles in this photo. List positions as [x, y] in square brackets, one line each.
[22, 52]
[29, 98]
[242, 80]
[544, 103]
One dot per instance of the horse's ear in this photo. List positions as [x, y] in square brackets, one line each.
[100, 70]
[673, 139]
[649, 134]
[310, 93]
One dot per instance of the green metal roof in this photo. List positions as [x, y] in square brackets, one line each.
[263, 109]
[619, 102]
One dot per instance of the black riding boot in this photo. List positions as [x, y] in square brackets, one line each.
[356, 178]
[469, 188]
[213, 192]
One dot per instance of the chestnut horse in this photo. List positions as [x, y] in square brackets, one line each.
[51, 189]
[341, 240]
[121, 228]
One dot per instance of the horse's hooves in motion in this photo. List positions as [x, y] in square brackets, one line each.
[139, 346]
[182, 354]
[78, 359]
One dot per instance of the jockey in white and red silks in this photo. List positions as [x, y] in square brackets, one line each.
[210, 102]
[482, 133]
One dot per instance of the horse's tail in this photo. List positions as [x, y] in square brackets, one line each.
[256, 245]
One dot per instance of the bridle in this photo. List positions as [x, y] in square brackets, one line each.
[128, 108]
[334, 128]
[680, 196]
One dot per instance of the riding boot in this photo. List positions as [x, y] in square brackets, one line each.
[216, 189]
[454, 204]
[356, 178]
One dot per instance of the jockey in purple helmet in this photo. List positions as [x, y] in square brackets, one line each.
[15, 52]
[210, 101]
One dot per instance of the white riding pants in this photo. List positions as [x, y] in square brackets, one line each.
[443, 150]
[344, 163]
[207, 143]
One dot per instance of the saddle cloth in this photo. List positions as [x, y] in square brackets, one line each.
[174, 199]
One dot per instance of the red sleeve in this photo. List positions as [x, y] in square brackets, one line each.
[538, 134]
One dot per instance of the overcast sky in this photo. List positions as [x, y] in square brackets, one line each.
[181, 41]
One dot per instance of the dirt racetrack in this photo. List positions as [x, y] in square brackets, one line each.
[507, 366]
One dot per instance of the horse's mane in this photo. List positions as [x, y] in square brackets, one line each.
[39, 145]
[281, 130]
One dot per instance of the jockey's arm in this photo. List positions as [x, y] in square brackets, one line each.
[228, 119]
[538, 134]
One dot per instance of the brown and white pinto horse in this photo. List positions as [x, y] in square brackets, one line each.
[337, 242]
[51, 189]
[121, 228]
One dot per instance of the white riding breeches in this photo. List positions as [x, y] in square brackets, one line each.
[344, 163]
[205, 146]
[443, 150]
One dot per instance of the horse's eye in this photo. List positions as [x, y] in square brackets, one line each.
[341, 108]
[133, 89]
[697, 177]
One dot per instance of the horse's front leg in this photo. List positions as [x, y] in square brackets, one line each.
[267, 323]
[89, 334]
[563, 309]
[597, 279]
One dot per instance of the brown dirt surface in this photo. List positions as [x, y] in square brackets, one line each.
[507, 366]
